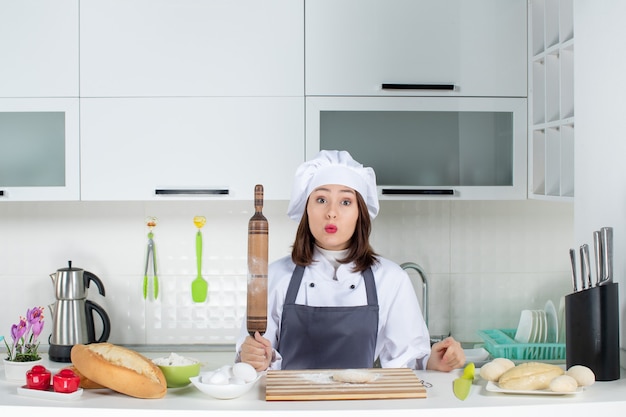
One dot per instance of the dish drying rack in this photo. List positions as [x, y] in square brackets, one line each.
[500, 343]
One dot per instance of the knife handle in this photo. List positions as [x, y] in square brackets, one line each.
[572, 257]
[585, 258]
[583, 268]
[597, 251]
[607, 258]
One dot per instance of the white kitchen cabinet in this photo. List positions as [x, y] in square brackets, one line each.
[472, 148]
[39, 48]
[551, 99]
[190, 148]
[477, 48]
[191, 48]
[39, 149]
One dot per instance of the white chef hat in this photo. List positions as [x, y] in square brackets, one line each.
[332, 167]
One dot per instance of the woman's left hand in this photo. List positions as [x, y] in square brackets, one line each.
[446, 355]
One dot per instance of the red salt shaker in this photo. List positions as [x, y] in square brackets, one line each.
[66, 381]
[38, 378]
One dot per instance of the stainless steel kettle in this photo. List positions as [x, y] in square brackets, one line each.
[72, 314]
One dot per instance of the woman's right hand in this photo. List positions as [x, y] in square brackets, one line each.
[257, 352]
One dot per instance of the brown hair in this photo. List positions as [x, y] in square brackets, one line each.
[360, 250]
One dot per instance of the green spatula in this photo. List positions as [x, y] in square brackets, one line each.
[199, 286]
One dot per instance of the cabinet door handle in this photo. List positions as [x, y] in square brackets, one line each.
[391, 86]
[195, 191]
[1, 193]
[409, 191]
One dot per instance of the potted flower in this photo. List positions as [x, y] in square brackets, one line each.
[22, 354]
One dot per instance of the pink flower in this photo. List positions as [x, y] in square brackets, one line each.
[35, 319]
[19, 330]
[25, 335]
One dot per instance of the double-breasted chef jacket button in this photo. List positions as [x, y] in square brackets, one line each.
[312, 285]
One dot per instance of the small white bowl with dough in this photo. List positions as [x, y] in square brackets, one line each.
[227, 382]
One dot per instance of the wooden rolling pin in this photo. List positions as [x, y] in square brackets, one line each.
[257, 266]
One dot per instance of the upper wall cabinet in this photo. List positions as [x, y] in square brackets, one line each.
[39, 149]
[39, 48]
[191, 48]
[417, 47]
[190, 147]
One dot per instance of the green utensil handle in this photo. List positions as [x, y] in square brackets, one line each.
[155, 278]
[199, 251]
[145, 287]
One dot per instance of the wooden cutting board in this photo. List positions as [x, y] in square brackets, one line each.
[318, 384]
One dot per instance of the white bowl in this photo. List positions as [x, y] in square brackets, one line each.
[222, 392]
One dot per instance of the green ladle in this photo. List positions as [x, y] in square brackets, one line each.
[199, 286]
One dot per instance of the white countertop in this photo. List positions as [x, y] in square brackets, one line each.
[602, 398]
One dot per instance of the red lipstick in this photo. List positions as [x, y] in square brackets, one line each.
[330, 228]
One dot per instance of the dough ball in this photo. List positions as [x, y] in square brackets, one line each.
[563, 383]
[504, 362]
[583, 375]
[491, 371]
[216, 378]
[244, 372]
[354, 376]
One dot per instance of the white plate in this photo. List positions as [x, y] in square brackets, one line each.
[493, 387]
[561, 317]
[525, 327]
[49, 394]
[553, 322]
[543, 326]
[533, 329]
[536, 337]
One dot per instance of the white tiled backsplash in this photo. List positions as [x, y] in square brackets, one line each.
[485, 261]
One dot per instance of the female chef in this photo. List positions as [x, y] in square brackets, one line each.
[334, 303]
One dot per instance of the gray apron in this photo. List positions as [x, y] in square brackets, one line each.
[328, 337]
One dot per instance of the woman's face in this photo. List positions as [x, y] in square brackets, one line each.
[333, 212]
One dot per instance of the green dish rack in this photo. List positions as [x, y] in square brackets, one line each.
[500, 343]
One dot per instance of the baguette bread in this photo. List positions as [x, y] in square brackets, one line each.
[85, 382]
[529, 376]
[120, 369]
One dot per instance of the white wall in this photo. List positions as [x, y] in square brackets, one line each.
[486, 261]
[600, 96]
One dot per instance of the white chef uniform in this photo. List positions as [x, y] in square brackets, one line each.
[402, 340]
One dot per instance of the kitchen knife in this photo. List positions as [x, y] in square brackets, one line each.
[572, 257]
[597, 251]
[584, 268]
[257, 267]
[586, 274]
[607, 255]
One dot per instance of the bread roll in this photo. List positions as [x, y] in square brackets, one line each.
[529, 376]
[120, 369]
[491, 371]
[505, 363]
[563, 383]
[583, 375]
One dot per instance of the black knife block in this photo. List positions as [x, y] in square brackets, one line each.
[592, 330]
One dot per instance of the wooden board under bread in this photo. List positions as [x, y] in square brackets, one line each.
[318, 384]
